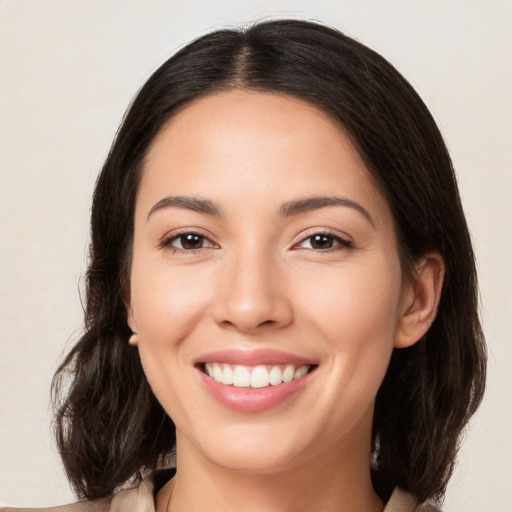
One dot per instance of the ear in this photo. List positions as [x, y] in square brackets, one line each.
[134, 338]
[420, 300]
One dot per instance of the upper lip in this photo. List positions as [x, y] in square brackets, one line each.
[253, 357]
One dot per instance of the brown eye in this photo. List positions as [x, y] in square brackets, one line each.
[323, 242]
[188, 242]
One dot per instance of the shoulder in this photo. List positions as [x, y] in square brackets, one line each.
[136, 499]
[428, 507]
[402, 501]
[81, 506]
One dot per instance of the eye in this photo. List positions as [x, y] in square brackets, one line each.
[323, 242]
[188, 242]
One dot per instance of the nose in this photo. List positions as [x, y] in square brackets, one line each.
[253, 295]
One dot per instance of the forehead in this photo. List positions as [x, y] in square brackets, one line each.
[253, 113]
[244, 142]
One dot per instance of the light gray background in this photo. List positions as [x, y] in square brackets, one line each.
[69, 69]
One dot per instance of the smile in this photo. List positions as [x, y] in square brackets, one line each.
[251, 381]
[260, 376]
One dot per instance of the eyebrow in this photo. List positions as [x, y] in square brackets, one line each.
[187, 203]
[288, 209]
[299, 206]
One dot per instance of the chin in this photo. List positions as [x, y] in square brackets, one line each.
[253, 460]
[252, 449]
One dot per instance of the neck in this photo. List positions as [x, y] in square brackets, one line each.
[337, 480]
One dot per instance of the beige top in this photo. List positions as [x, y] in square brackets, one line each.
[142, 499]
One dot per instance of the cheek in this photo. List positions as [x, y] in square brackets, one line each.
[166, 304]
[167, 307]
[356, 314]
[356, 304]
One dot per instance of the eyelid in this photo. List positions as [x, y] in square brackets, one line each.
[345, 241]
[168, 238]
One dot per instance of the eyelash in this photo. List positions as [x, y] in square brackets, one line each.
[167, 242]
[341, 243]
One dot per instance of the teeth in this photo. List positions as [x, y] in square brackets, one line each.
[217, 373]
[300, 372]
[259, 377]
[255, 377]
[241, 377]
[227, 375]
[288, 373]
[275, 376]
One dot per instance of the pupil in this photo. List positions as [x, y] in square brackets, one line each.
[191, 241]
[321, 242]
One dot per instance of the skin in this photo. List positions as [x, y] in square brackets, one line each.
[257, 280]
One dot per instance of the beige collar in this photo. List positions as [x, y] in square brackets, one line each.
[141, 499]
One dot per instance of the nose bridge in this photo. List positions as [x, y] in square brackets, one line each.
[253, 291]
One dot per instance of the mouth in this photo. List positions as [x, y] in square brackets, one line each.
[258, 376]
[251, 381]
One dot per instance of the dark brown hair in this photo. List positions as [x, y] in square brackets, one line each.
[110, 427]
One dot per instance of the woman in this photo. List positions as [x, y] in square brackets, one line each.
[281, 289]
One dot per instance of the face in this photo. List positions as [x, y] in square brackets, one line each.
[265, 283]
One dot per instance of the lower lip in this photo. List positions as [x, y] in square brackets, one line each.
[252, 399]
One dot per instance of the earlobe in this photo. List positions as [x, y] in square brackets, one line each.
[134, 338]
[420, 300]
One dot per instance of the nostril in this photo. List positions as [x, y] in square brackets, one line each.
[229, 323]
